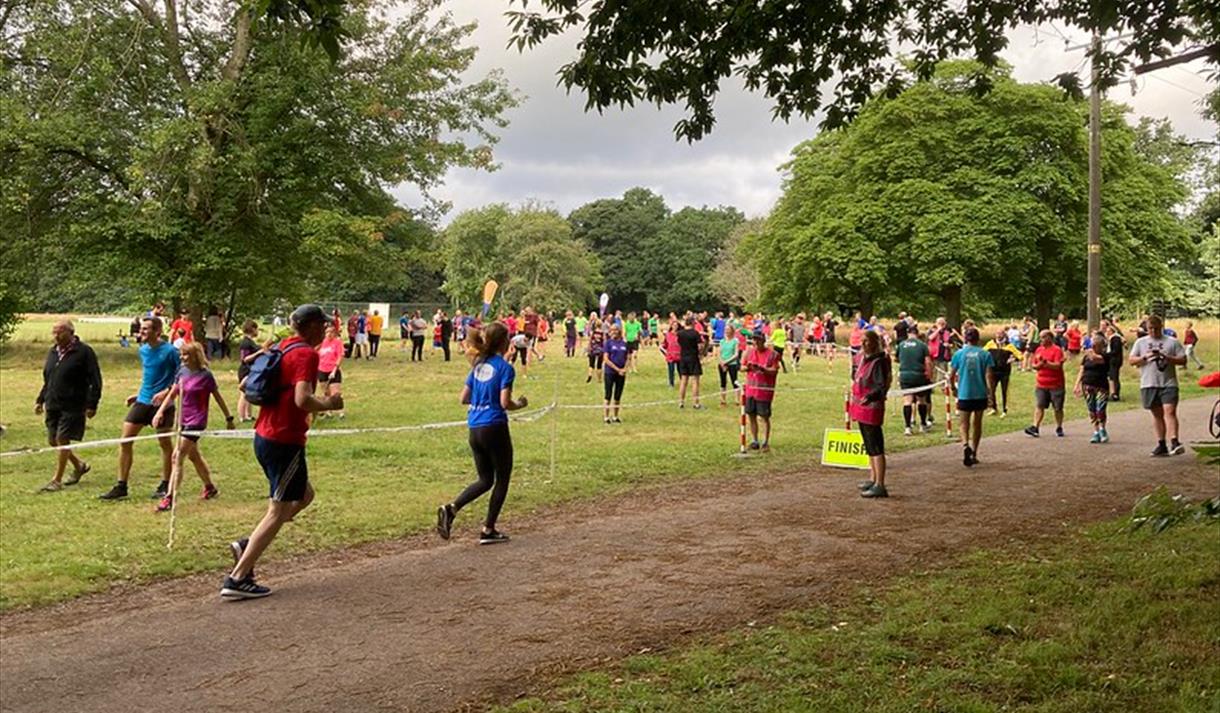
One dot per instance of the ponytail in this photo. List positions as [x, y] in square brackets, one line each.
[482, 344]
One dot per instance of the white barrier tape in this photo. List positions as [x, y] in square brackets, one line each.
[726, 392]
[249, 433]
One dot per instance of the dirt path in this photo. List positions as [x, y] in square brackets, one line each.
[434, 628]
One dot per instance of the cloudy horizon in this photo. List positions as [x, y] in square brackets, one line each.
[555, 153]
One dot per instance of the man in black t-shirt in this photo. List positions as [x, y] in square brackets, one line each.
[690, 366]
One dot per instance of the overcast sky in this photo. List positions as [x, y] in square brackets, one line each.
[555, 152]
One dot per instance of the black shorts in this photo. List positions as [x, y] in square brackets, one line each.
[915, 383]
[142, 415]
[285, 468]
[690, 367]
[1046, 398]
[196, 427]
[756, 407]
[633, 347]
[334, 377]
[614, 383]
[971, 405]
[65, 425]
[595, 361]
[874, 439]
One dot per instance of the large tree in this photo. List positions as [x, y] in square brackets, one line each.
[678, 263]
[192, 150]
[942, 196]
[618, 230]
[682, 51]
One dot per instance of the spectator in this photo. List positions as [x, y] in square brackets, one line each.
[71, 390]
[1158, 356]
[1049, 383]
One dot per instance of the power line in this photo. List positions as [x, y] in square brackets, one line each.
[1175, 84]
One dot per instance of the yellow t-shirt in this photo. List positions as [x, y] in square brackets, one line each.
[375, 323]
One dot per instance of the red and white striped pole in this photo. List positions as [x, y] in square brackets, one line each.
[948, 411]
[742, 403]
[847, 409]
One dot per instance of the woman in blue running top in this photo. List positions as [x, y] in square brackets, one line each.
[489, 394]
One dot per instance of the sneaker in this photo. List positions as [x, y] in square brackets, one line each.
[1031, 431]
[589, 379]
[606, 420]
[1176, 449]
[238, 548]
[906, 431]
[166, 503]
[1159, 451]
[765, 447]
[698, 406]
[52, 487]
[967, 456]
[209, 492]
[1096, 437]
[754, 445]
[616, 419]
[877, 491]
[991, 412]
[161, 491]
[494, 537]
[118, 492]
[864, 485]
[1059, 431]
[1105, 436]
[926, 428]
[245, 589]
[444, 521]
[1004, 413]
[77, 473]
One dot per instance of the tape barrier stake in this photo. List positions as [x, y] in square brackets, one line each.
[741, 405]
[948, 411]
[175, 476]
[847, 410]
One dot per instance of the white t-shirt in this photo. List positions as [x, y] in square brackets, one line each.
[211, 327]
[1152, 373]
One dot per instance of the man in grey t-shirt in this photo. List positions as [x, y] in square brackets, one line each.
[1158, 357]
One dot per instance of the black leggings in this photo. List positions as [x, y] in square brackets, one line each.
[1000, 384]
[417, 348]
[492, 447]
[1115, 369]
[614, 385]
[727, 375]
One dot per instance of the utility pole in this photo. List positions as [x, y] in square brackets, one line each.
[1094, 276]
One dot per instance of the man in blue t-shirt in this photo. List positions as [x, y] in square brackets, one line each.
[159, 360]
[969, 372]
[718, 324]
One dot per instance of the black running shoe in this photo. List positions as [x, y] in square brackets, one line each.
[1032, 431]
[1160, 451]
[877, 491]
[1176, 449]
[245, 589]
[864, 484]
[444, 521]
[494, 537]
[118, 492]
[161, 491]
[238, 548]
[967, 456]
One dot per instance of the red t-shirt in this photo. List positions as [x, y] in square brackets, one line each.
[761, 386]
[1049, 378]
[1074, 338]
[283, 421]
[184, 324]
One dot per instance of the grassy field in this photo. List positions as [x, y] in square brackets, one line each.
[383, 486]
[1106, 621]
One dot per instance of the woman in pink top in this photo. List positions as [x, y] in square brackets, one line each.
[671, 350]
[330, 376]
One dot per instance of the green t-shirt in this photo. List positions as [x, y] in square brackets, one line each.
[581, 322]
[911, 356]
[652, 325]
[728, 349]
[631, 330]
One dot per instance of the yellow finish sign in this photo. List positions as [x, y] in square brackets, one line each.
[843, 449]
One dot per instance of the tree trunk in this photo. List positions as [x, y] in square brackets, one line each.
[227, 327]
[867, 304]
[952, 298]
[1043, 296]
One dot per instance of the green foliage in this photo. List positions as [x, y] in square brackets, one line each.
[734, 280]
[682, 51]
[230, 162]
[530, 251]
[1160, 511]
[10, 311]
[619, 230]
[938, 192]
[678, 263]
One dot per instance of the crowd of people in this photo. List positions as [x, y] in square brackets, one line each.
[299, 378]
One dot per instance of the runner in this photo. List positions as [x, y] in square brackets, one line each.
[1158, 355]
[672, 351]
[1093, 384]
[690, 365]
[654, 327]
[330, 376]
[631, 334]
[1191, 340]
[159, 361]
[404, 330]
[969, 371]
[914, 372]
[488, 392]
[618, 353]
[1073, 338]
[596, 349]
[582, 324]
[729, 364]
[779, 341]
[521, 352]
[718, 325]
[761, 364]
[362, 336]
[1049, 383]
[197, 386]
[375, 324]
[183, 325]
[569, 335]
[247, 349]
[71, 390]
[867, 409]
[353, 326]
[279, 447]
[796, 338]
[1002, 354]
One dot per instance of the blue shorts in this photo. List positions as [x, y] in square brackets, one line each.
[284, 466]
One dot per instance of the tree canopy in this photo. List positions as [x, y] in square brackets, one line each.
[940, 196]
[682, 51]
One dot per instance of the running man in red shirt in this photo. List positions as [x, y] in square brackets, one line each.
[279, 446]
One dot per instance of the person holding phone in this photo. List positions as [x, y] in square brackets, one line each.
[1157, 356]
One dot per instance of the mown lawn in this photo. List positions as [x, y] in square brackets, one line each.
[383, 486]
[1105, 621]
